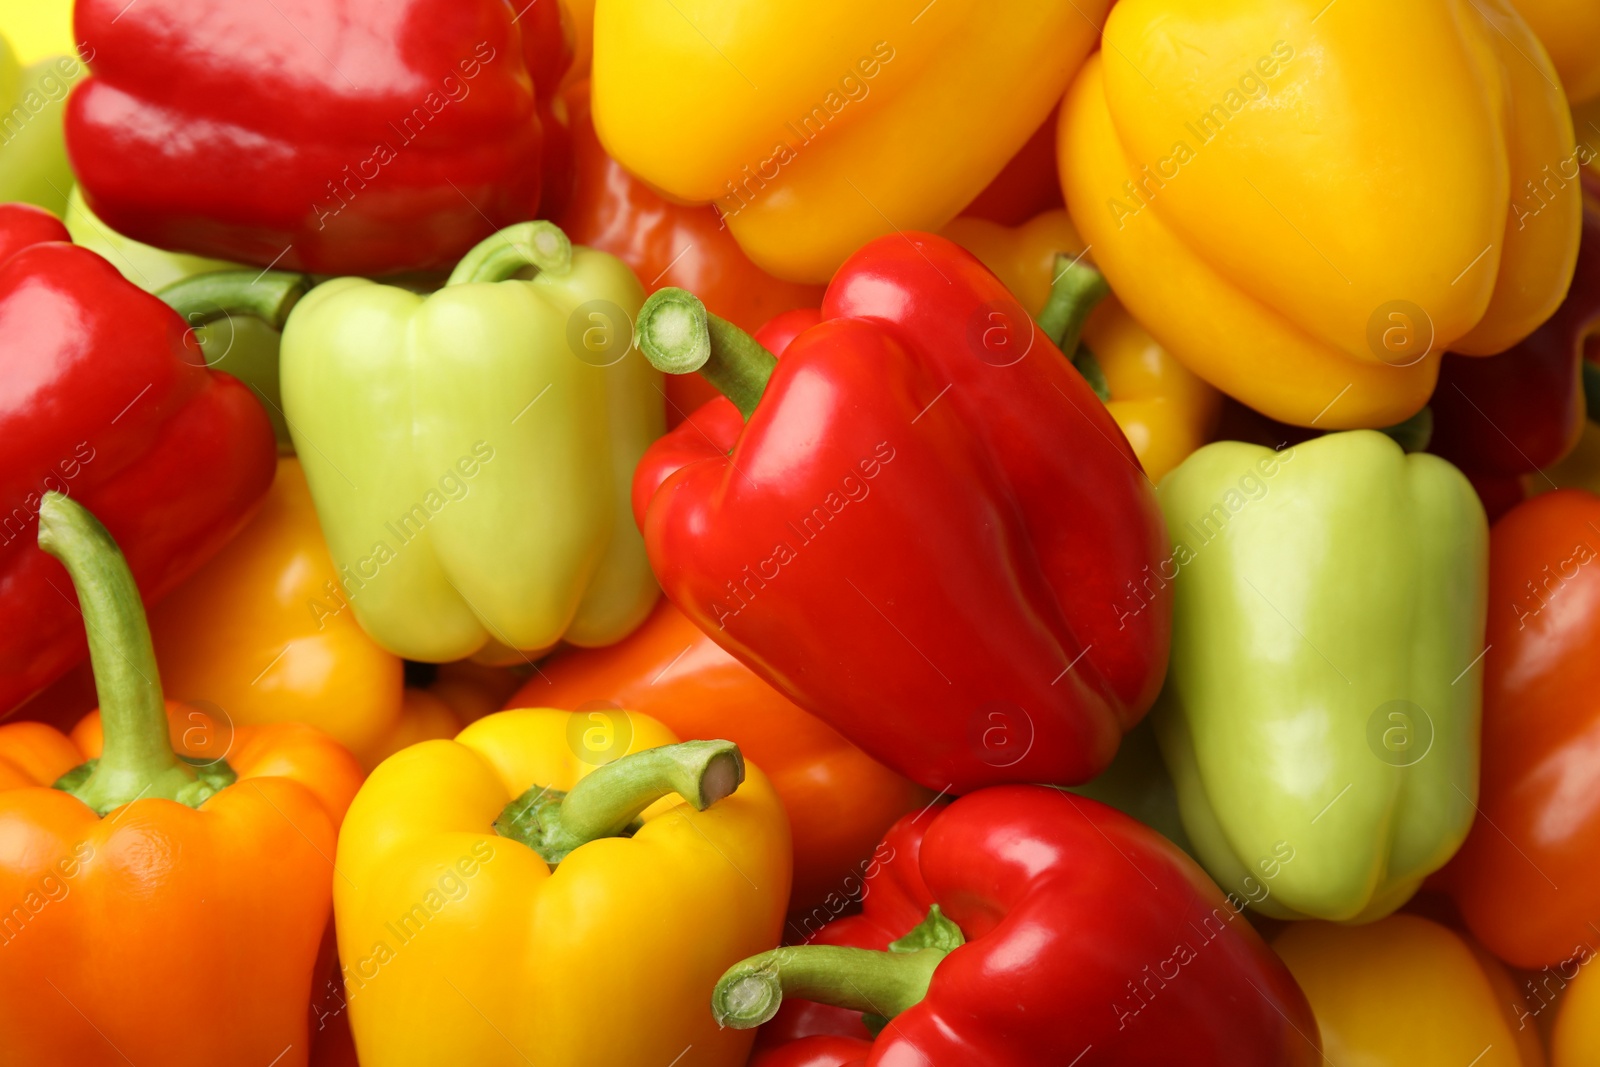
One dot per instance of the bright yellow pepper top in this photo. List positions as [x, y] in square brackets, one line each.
[1407, 992]
[813, 143]
[1165, 409]
[1570, 30]
[460, 945]
[1308, 202]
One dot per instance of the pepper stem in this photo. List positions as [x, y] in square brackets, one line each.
[266, 295]
[541, 245]
[679, 336]
[611, 798]
[137, 760]
[1077, 288]
[880, 985]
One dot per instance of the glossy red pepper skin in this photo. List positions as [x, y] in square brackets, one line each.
[347, 137]
[1075, 917]
[817, 1051]
[933, 552]
[1520, 411]
[667, 244]
[104, 395]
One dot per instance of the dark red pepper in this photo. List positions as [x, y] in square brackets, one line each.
[335, 136]
[1499, 417]
[104, 396]
[930, 533]
[1060, 932]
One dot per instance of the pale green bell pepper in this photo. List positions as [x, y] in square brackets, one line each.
[33, 150]
[1320, 716]
[471, 452]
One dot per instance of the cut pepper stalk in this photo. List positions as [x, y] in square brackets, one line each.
[880, 985]
[679, 336]
[610, 799]
[541, 245]
[137, 759]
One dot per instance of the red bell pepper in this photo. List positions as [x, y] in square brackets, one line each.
[354, 137]
[104, 395]
[1500, 417]
[685, 245]
[1527, 880]
[931, 534]
[1056, 931]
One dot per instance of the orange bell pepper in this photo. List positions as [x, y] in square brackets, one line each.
[262, 634]
[163, 901]
[1527, 880]
[1166, 410]
[688, 246]
[1575, 1038]
[840, 800]
[1408, 992]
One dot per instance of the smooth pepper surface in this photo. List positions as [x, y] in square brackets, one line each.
[469, 452]
[810, 143]
[458, 943]
[1308, 203]
[925, 533]
[106, 396]
[1325, 687]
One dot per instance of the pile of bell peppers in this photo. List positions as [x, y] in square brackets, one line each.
[591, 533]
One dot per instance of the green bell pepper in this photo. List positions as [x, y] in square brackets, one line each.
[242, 345]
[1320, 716]
[471, 452]
[33, 149]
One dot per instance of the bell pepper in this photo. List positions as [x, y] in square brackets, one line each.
[499, 883]
[103, 396]
[1526, 881]
[839, 799]
[668, 244]
[1060, 932]
[469, 452]
[368, 138]
[925, 426]
[1520, 411]
[1164, 409]
[160, 907]
[810, 144]
[263, 633]
[33, 151]
[1568, 29]
[1224, 169]
[1408, 992]
[1028, 185]
[1325, 687]
[1575, 1038]
[243, 345]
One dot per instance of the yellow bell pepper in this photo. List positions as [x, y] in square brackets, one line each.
[1407, 992]
[1307, 203]
[485, 916]
[1570, 31]
[813, 143]
[1163, 407]
[1573, 985]
[262, 633]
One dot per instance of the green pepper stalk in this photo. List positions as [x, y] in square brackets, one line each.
[679, 336]
[137, 759]
[607, 802]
